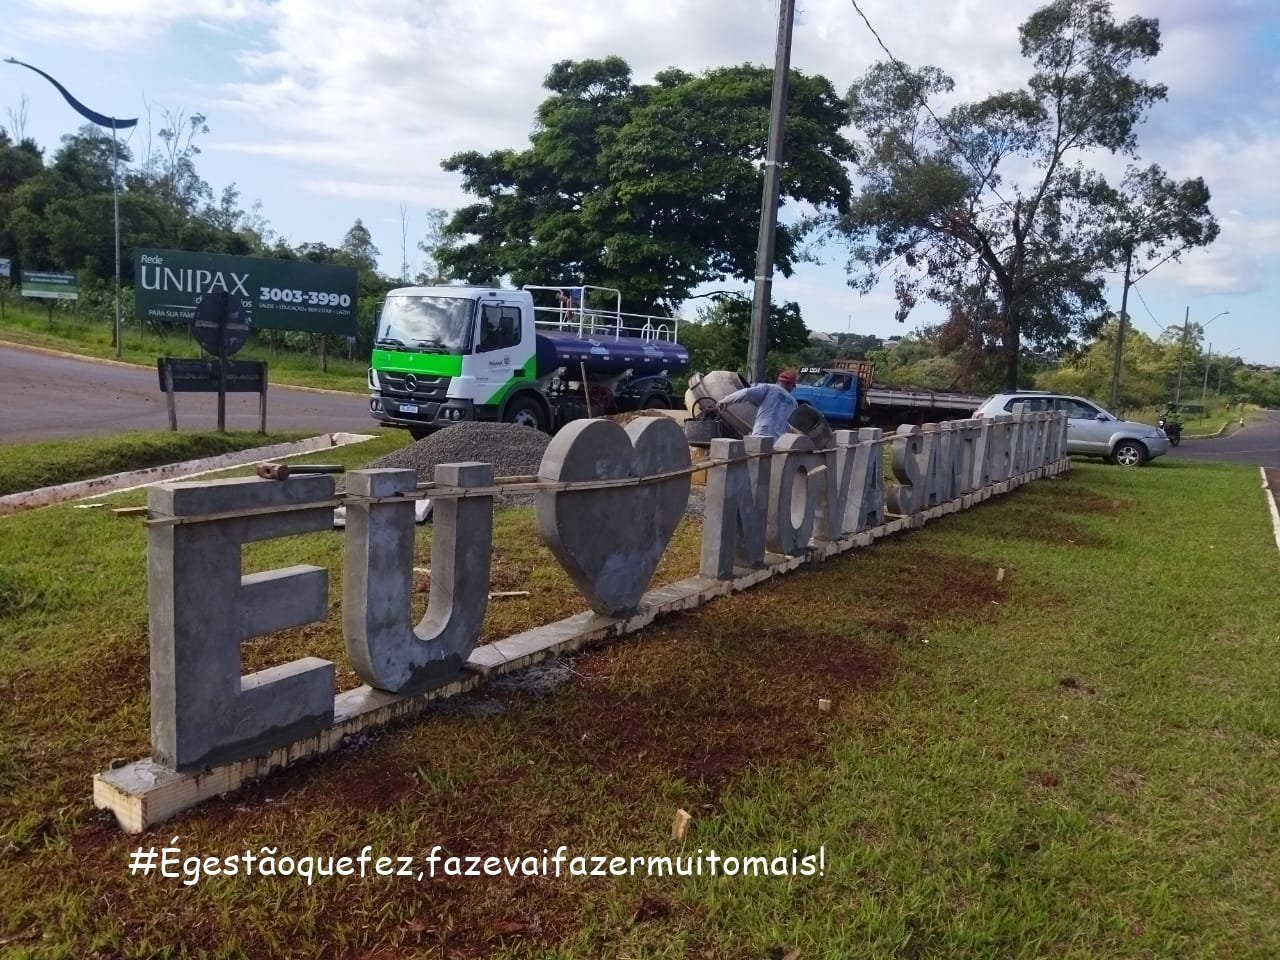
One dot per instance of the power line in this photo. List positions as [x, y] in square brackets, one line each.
[1135, 290]
[902, 71]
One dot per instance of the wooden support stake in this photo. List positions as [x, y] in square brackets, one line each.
[680, 825]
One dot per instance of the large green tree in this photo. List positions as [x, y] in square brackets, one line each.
[650, 188]
[991, 207]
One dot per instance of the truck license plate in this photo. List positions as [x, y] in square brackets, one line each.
[408, 408]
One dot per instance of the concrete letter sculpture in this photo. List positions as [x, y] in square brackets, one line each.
[610, 540]
[203, 711]
[386, 650]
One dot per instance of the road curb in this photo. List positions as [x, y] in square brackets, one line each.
[1271, 503]
[50, 352]
[133, 479]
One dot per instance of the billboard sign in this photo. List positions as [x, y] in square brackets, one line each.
[42, 284]
[275, 294]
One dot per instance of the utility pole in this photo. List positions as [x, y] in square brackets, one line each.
[1204, 388]
[1124, 316]
[1182, 356]
[769, 203]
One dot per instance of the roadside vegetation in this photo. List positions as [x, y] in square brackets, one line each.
[1054, 728]
[28, 466]
[87, 331]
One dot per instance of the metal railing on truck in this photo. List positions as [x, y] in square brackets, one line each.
[594, 322]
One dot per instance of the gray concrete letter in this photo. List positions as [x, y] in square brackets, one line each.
[793, 506]
[737, 508]
[905, 497]
[203, 712]
[385, 650]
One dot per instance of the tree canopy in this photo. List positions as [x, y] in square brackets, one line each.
[650, 188]
[991, 208]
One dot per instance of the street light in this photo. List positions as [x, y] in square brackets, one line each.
[1182, 355]
[115, 123]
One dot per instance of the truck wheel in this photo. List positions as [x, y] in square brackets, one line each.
[419, 433]
[526, 412]
[654, 401]
[1129, 453]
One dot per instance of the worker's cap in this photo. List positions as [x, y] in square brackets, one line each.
[787, 376]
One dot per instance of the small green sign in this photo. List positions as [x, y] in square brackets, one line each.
[275, 294]
[50, 286]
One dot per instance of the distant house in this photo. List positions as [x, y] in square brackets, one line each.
[819, 336]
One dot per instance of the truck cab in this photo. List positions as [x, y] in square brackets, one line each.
[442, 355]
[836, 392]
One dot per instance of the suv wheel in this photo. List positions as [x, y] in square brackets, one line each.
[1129, 453]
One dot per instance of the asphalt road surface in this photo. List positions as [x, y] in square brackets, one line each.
[1259, 443]
[46, 396]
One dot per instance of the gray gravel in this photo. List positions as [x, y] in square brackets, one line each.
[513, 450]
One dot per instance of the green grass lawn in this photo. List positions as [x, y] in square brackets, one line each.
[1076, 758]
[28, 466]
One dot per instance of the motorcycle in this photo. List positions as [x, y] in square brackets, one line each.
[1172, 429]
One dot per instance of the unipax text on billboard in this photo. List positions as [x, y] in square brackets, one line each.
[275, 294]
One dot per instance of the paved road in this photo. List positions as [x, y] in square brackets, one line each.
[45, 396]
[1258, 443]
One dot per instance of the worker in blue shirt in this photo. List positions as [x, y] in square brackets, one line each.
[774, 404]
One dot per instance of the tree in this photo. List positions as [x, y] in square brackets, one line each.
[358, 249]
[937, 212]
[1147, 215]
[170, 169]
[653, 189]
[719, 338]
[434, 244]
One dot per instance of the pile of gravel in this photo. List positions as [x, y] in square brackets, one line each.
[513, 450]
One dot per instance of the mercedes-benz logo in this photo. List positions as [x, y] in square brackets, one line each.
[411, 383]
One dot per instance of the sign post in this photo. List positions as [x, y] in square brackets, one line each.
[220, 328]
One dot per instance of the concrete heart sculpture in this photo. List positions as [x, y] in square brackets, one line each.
[611, 540]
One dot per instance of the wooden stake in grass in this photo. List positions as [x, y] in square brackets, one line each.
[999, 574]
[824, 706]
[680, 825]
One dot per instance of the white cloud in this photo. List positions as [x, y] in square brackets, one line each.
[337, 110]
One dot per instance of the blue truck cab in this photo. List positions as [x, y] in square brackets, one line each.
[838, 392]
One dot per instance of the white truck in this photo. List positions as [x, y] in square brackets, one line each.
[537, 356]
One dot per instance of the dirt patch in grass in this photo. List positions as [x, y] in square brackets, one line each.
[1050, 529]
[1107, 506]
[704, 715]
[930, 585]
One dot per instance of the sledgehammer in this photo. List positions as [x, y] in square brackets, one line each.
[282, 471]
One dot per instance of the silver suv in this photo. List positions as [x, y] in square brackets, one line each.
[1091, 431]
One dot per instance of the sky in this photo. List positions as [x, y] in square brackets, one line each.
[326, 112]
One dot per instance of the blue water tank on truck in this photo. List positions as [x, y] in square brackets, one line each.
[448, 354]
